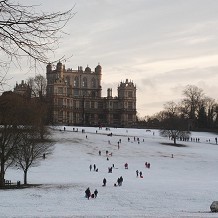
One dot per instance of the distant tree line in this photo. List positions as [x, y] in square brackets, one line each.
[195, 111]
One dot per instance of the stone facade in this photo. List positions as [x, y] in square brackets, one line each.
[76, 98]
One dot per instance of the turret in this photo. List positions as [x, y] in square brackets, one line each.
[49, 68]
[98, 69]
[88, 69]
[59, 69]
[109, 93]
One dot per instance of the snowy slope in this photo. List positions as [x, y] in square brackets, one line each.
[183, 186]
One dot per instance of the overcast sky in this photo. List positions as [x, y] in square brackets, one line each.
[162, 45]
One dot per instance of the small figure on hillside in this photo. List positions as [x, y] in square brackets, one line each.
[96, 193]
[149, 165]
[109, 142]
[88, 193]
[96, 170]
[107, 158]
[94, 166]
[146, 164]
[126, 166]
[86, 136]
[172, 156]
[137, 173]
[110, 169]
[90, 167]
[216, 140]
[43, 156]
[96, 131]
[120, 181]
[104, 182]
[107, 152]
[99, 153]
[140, 174]
[64, 128]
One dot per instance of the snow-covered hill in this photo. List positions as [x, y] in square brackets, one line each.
[183, 186]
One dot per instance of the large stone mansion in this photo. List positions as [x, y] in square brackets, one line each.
[76, 98]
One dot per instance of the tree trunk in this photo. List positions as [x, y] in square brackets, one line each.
[2, 174]
[25, 177]
[174, 140]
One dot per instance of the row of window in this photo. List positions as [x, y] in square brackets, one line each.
[84, 82]
[77, 92]
[92, 104]
[129, 94]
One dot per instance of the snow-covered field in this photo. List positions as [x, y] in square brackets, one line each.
[183, 186]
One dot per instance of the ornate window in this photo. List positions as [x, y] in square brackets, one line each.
[68, 80]
[93, 83]
[84, 82]
[76, 82]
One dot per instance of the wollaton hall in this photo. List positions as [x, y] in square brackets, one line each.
[75, 98]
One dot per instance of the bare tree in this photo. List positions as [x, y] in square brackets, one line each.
[174, 125]
[9, 138]
[9, 133]
[27, 33]
[16, 114]
[174, 128]
[37, 85]
[31, 150]
[192, 101]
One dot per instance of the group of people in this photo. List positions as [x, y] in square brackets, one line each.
[88, 193]
[94, 168]
[139, 174]
[119, 181]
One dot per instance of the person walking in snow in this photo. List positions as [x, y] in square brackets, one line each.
[90, 167]
[104, 182]
[137, 173]
[149, 165]
[140, 174]
[88, 193]
[96, 193]
[120, 181]
[94, 166]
